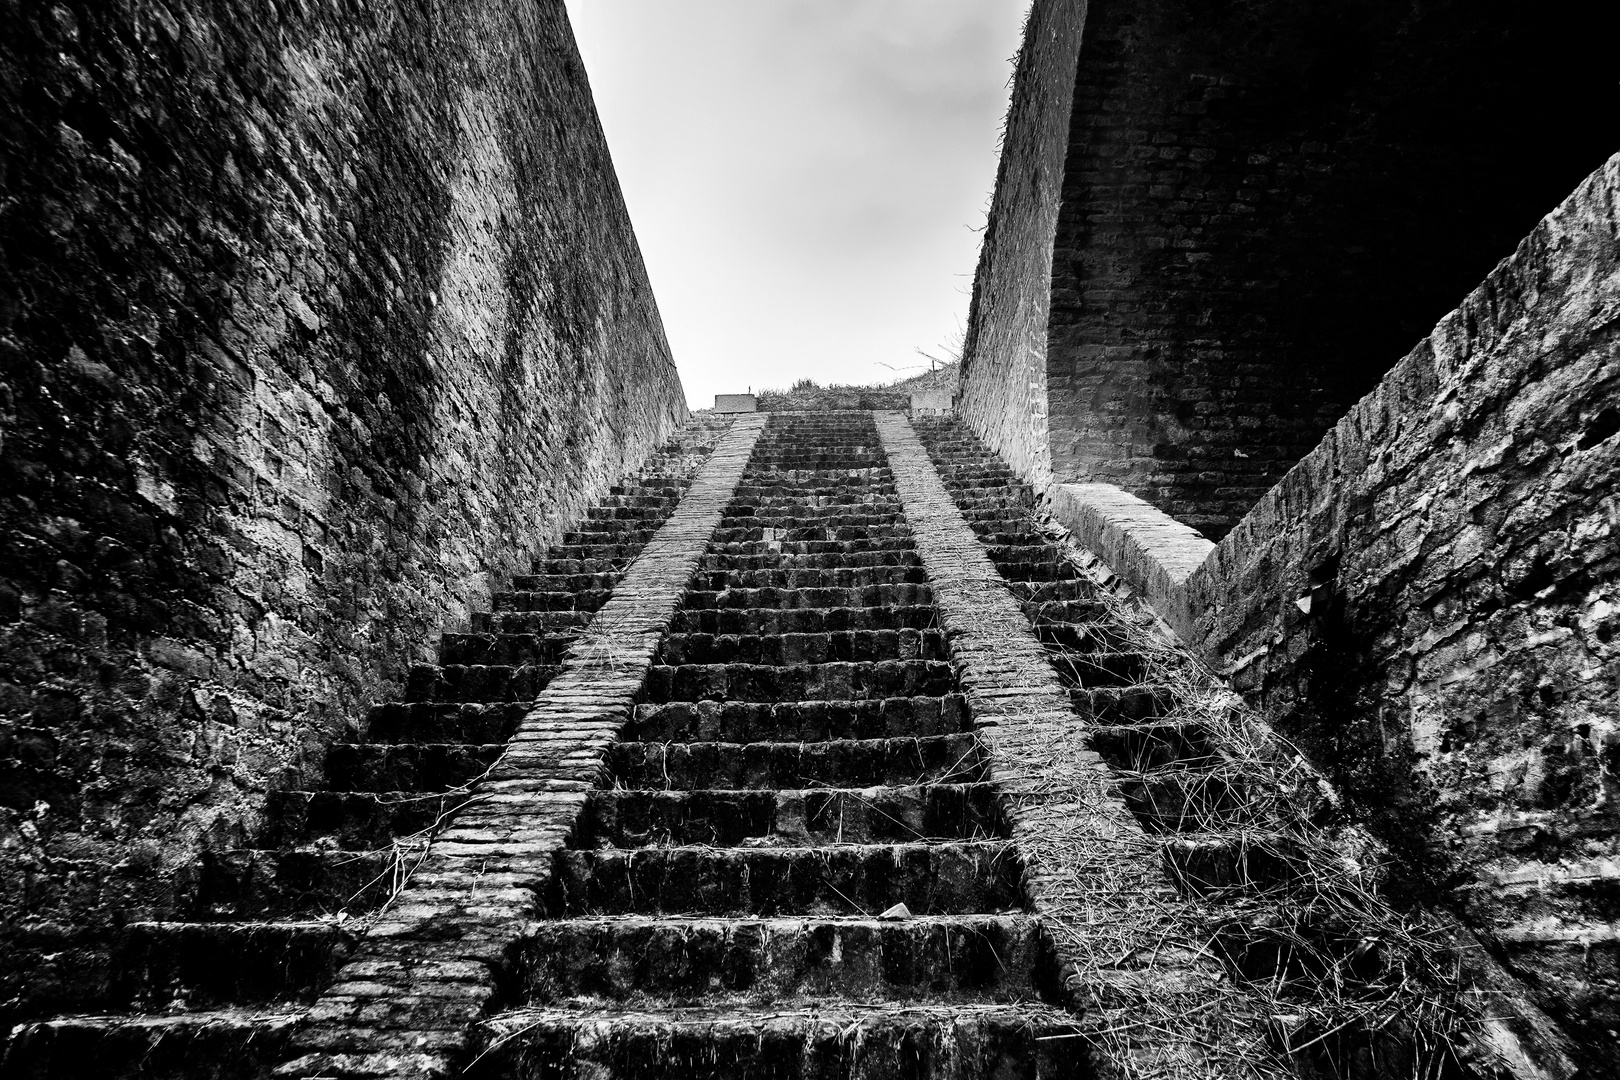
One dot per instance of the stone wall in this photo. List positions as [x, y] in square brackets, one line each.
[1003, 387]
[1428, 604]
[315, 320]
[1265, 202]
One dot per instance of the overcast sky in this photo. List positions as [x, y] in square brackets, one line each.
[807, 177]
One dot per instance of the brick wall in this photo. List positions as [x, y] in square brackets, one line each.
[1265, 202]
[315, 320]
[1003, 378]
[1429, 604]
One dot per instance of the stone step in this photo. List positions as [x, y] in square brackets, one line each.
[406, 766]
[1039, 571]
[1247, 861]
[814, 486]
[620, 553]
[1083, 637]
[444, 722]
[202, 1045]
[669, 963]
[478, 682]
[1088, 669]
[509, 649]
[1069, 589]
[811, 512]
[960, 877]
[800, 519]
[582, 600]
[549, 582]
[979, 480]
[746, 534]
[1180, 799]
[1041, 612]
[1007, 555]
[775, 560]
[800, 816]
[209, 964]
[357, 820]
[867, 596]
[248, 883]
[812, 547]
[655, 513]
[980, 469]
[1008, 502]
[804, 620]
[558, 564]
[838, 763]
[610, 532]
[1012, 541]
[782, 649]
[833, 1040]
[1123, 704]
[809, 682]
[848, 496]
[829, 451]
[1143, 747]
[646, 496]
[810, 721]
[852, 577]
[839, 472]
[995, 512]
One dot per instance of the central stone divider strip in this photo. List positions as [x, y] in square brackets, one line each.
[403, 1006]
[1131, 953]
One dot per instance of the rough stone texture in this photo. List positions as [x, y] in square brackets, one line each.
[1003, 377]
[404, 1006]
[314, 320]
[1022, 713]
[1152, 551]
[1427, 605]
[1265, 203]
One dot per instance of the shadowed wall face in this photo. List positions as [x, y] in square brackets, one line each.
[1266, 203]
[313, 320]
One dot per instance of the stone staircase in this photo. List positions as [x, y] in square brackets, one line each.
[854, 823]
[216, 986]
[796, 868]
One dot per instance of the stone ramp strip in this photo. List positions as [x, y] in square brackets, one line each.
[428, 968]
[1130, 954]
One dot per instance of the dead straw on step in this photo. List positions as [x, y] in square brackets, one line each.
[1158, 967]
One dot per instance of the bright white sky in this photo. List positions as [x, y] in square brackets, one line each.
[807, 178]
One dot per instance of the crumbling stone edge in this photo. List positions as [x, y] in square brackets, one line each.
[403, 1007]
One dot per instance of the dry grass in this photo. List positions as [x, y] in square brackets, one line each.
[1309, 951]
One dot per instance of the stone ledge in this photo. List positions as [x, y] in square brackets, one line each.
[1150, 550]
